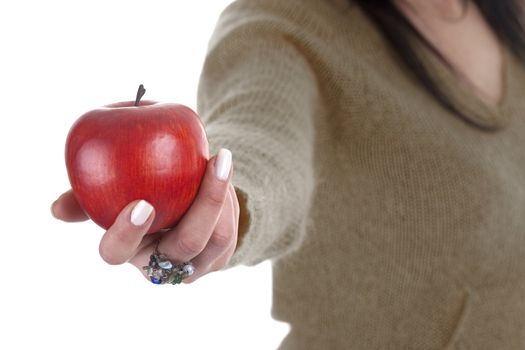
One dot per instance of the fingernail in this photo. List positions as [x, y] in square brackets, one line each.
[141, 213]
[223, 164]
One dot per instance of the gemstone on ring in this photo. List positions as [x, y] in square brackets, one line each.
[165, 264]
[161, 270]
[177, 279]
[149, 271]
[188, 269]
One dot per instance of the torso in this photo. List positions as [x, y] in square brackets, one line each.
[415, 238]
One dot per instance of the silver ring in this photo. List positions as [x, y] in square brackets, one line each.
[161, 270]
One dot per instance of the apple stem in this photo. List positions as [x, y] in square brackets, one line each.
[140, 93]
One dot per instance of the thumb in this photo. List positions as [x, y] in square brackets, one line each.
[122, 239]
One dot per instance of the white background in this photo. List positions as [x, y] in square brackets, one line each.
[59, 59]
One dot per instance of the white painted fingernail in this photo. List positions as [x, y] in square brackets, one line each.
[223, 164]
[141, 213]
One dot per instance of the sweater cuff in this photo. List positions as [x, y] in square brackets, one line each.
[245, 222]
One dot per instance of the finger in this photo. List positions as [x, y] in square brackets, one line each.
[223, 259]
[192, 233]
[140, 256]
[223, 237]
[122, 239]
[148, 240]
[66, 208]
[236, 207]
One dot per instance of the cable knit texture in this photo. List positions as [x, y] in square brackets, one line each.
[391, 223]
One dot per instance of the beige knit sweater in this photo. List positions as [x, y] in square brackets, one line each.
[391, 222]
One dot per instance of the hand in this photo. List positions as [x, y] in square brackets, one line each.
[206, 235]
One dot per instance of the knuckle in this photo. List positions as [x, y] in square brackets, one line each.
[221, 238]
[216, 268]
[218, 265]
[189, 246]
[123, 238]
[214, 198]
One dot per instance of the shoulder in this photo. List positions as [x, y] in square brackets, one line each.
[299, 11]
[301, 18]
[332, 35]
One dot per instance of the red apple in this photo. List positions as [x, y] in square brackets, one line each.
[137, 150]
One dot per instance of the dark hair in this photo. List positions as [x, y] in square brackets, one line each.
[504, 17]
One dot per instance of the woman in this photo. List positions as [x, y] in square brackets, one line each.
[379, 164]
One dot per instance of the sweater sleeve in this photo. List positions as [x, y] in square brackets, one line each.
[257, 96]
